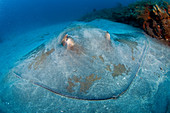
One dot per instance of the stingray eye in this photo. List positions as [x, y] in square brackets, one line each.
[66, 39]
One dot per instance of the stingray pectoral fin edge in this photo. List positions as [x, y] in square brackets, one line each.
[55, 92]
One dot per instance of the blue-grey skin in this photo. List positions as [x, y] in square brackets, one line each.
[95, 69]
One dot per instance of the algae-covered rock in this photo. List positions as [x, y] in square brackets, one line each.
[151, 16]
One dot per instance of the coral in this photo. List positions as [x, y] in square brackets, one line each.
[156, 21]
[153, 16]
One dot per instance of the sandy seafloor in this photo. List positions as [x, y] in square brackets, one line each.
[149, 91]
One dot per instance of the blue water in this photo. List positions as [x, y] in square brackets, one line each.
[27, 25]
[21, 15]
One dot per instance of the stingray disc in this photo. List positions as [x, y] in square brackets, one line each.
[94, 69]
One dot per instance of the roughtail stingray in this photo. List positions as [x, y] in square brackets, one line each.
[95, 69]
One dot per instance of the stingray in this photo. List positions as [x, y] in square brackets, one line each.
[101, 69]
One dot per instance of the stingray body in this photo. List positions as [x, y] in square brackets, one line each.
[95, 69]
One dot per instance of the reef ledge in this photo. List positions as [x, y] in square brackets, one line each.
[151, 16]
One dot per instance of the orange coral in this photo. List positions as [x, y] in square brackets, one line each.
[156, 21]
[153, 16]
[145, 15]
